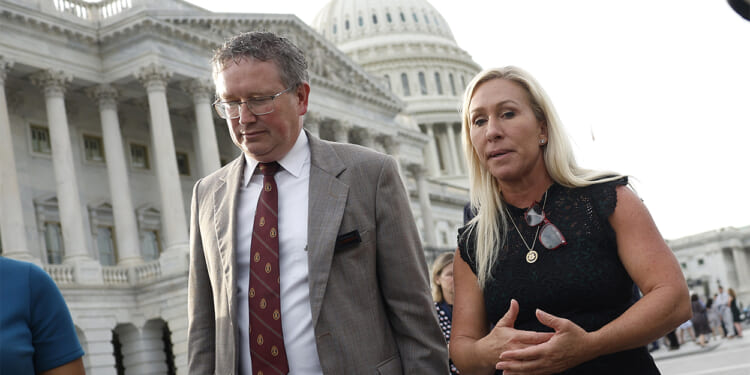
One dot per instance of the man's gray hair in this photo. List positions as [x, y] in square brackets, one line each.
[263, 46]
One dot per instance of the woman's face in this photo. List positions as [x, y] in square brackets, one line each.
[504, 131]
[445, 281]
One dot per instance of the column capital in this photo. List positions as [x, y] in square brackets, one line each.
[200, 88]
[105, 95]
[5, 66]
[417, 170]
[389, 143]
[153, 76]
[53, 82]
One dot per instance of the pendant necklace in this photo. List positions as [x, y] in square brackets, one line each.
[531, 255]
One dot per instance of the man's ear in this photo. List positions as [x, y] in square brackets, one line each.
[302, 96]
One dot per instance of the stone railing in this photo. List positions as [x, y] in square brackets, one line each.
[61, 273]
[147, 272]
[117, 276]
[92, 11]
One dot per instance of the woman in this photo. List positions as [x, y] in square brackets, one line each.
[544, 273]
[699, 320]
[442, 294]
[37, 335]
[735, 313]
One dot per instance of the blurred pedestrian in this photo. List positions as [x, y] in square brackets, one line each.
[714, 321]
[443, 295]
[735, 313]
[699, 320]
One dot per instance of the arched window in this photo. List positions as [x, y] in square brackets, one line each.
[438, 84]
[453, 84]
[405, 84]
[334, 28]
[388, 17]
[403, 18]
[426, 20]
[414, 15]
[361, 21]
[375, 19]
[422, 84]
[388, 81]
[346, 24]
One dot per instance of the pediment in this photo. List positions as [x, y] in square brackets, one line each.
[328, 66]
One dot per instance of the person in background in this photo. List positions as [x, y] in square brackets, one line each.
[725, 312]
[304, 255]
[700, 320]
[37, 335]
[544, 273]
[735, 313]
[443, 295]
[714, 321]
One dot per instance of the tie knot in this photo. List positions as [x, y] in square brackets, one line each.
[269, 169]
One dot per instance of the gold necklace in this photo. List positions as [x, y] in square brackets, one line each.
[531, 255]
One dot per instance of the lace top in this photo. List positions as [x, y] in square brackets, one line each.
[583, 281]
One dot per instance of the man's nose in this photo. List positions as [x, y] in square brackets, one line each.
[246, 116]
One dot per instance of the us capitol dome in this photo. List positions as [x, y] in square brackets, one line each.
[410, 47]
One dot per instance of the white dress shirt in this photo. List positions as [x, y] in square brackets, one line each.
[293, 181]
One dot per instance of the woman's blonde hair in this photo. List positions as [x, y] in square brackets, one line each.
[485, 193]
[438, 265]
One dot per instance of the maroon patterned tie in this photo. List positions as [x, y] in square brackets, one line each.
[266, 338]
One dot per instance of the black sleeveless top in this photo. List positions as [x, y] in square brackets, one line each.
[583, 281]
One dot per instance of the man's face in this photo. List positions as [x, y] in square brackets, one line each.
[268, 137]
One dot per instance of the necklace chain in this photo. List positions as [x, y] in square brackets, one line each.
[530, 249]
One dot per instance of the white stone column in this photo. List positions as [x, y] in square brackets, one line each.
[174, 220]
[68, 195]
[431, 153]
[423, 190]
[312, 123]
[341, 131]
[460, 158]
[741, 267]
[123, 211]
[393, 148]
[12, 228]
[452, 150]
[202, 91]
[143, 350]
[445, 151]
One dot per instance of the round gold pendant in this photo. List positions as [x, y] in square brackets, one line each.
[531, 256]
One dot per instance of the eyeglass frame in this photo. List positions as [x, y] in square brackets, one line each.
[544, 220]
[218, 103]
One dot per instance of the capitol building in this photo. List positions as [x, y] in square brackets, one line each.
[106, 123]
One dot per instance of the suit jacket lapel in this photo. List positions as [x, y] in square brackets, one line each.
[225, 206]
[327, 200]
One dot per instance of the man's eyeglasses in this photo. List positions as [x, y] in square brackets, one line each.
[258, 106]
[549, 235]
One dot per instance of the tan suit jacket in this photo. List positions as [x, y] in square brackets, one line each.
[370, 300]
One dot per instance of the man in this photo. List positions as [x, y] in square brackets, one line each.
[352, 293]
[725, 313]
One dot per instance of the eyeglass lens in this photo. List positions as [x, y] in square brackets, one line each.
[551, 237]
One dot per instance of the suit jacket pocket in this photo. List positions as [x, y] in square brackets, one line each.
[391, 366]
[352, 239]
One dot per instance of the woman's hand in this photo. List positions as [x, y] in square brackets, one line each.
[504, 337]
[567, 347]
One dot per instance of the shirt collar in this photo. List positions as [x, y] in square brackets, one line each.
[292, 162]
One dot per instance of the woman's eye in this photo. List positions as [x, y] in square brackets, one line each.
[479, 122]
[508, 115]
